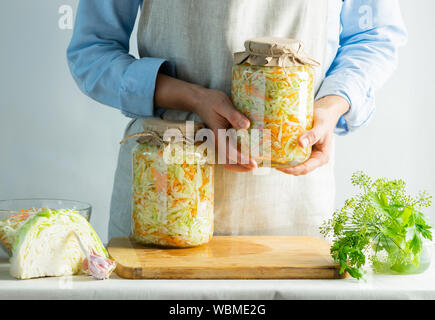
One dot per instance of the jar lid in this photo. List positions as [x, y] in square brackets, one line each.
[159, 126]
[274, 52]
[155, 128]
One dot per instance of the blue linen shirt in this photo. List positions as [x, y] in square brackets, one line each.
[363, 53]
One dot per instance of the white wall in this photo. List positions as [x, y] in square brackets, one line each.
[398, 142]
[55, 142]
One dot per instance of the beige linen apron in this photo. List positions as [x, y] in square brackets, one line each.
[199, 37]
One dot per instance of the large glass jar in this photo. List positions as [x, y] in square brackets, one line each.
[172, 198]
[273, 85]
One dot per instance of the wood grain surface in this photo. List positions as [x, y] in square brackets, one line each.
[227, 257]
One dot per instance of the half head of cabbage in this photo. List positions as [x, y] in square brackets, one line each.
[46, 246]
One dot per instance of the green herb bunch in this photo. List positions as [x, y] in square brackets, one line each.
[382, 224]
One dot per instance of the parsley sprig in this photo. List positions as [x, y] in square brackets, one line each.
[382, 224]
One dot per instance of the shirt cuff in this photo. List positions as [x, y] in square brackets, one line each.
[361, 100]
[138, 86]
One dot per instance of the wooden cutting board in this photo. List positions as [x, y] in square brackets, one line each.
[228, 257]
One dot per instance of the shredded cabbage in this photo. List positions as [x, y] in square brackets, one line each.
[9, 227]
[279, 99]
[172, 203]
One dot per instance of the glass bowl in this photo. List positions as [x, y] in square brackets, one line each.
[384, 267]
[18, 207]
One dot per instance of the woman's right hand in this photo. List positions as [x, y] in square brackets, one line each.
[213, 107]
[217, 111]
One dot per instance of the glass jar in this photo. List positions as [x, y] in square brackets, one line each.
[172, 197]
[399, 262]
[276, 92]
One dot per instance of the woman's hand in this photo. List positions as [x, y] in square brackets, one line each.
[213, 107]
[217, 111]
[327, 111]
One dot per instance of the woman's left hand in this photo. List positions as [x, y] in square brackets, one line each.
[327, 112]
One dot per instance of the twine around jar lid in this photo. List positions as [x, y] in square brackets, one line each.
[159, 126]
[155, 128]
[274, 52]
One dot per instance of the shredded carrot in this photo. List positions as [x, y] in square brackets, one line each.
[161, 180]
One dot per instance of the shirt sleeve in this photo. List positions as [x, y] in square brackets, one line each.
[100, 63]
[372, 32]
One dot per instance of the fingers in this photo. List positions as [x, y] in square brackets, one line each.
[234, 117]
[308, 166]
[310, 137]
[228, 153]
[319, 157]
[237, 168]
[234, 156]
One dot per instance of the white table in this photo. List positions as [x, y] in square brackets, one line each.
[82, 287]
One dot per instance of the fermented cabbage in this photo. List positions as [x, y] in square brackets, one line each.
[9, 227]
[279, 99]
[172, 202]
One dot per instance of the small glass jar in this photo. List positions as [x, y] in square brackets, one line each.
[401, 263]
[172, 200]
[277, 94]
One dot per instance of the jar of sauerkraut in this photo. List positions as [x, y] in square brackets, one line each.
[273, 85]
[172, 188]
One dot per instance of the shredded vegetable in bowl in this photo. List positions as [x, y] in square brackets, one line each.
[172, 202]
[9, 227]
[279, 99]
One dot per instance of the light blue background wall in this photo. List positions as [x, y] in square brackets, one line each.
[56, 142]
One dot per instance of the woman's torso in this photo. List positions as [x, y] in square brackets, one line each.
[199, 37]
